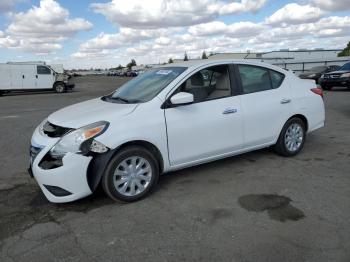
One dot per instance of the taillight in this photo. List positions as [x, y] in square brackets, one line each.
[317, 91]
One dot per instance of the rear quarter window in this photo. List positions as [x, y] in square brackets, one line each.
[276, 79]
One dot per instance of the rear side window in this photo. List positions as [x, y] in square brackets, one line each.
[256, 79]
[276, 78]
[43, 70]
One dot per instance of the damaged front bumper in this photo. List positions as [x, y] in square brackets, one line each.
[60, 183]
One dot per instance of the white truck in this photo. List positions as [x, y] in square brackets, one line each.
[32, 76]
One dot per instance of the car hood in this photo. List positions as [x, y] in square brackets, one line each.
[91, 111]
[338, 72]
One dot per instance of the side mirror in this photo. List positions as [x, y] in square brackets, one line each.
[182, 98]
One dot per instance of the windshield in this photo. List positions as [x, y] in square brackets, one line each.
[318, 69]
[146, 86]
[345, 67]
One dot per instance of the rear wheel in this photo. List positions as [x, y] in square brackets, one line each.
[131, 174]
[292, 138]
[59, 87]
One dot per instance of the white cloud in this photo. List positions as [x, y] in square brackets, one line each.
[211, 28]
[243, 6]
[42, 29]
[332, 5]
[239, 29]
[295, 14]
[170, 13]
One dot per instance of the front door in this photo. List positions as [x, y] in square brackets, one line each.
[209, 127]
[44, 77]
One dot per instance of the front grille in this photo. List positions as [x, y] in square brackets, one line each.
[52, 130]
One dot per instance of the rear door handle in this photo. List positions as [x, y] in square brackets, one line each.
[229, 111]
[285, 101]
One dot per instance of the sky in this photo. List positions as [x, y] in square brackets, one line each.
[104, 34]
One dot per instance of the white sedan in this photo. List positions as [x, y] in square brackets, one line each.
[169, 118]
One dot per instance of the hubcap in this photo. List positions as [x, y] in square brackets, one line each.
[59, 88]
[294, 137]
[132, 176]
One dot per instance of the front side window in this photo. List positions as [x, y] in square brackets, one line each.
[257, 79]
[146, 86]
[43, 70]
[208, 84]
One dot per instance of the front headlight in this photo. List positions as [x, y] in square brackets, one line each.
[312, 75]
[41, 126]
[322, 76]
[73, 141]
[345, 75]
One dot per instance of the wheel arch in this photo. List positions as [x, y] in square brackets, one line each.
[99, 162]
[147, 145]
[303, 118]
[59, 82]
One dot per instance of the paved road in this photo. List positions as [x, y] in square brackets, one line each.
[253, 207]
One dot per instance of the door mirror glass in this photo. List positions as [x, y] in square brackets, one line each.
[182, 98]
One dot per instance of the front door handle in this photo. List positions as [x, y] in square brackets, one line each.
[229, 111]
[285, 101]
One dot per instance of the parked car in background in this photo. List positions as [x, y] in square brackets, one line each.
[29, 77]
[169, 118]
[316, 72]
[340, 78]
[131, 73]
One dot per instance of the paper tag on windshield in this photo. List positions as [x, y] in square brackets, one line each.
[164, 72]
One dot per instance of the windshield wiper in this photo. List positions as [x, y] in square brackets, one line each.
[121, 99]
[124, 100]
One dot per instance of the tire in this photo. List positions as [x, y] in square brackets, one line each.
[1, 93]
[60, 87]
[118, 171]
[294, 127]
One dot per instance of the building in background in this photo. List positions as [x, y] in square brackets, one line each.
[297, 60]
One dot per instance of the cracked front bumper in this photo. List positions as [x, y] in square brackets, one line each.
[61, 184]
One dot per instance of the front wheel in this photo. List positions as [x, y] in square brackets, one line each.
[59, 87]
[131, 174]
[292, 138]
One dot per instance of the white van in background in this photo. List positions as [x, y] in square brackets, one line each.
[32, 76]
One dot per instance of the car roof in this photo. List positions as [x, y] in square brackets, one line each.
[193, 64]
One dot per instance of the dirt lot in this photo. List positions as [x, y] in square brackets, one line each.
[253, 207]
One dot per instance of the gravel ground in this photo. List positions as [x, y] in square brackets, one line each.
[253, 207]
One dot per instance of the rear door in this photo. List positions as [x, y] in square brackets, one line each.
[266, 104]
[28, 76]
[5, 76]
[16, 77]
[44, 77]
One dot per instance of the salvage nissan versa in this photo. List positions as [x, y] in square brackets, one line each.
[168, 118]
